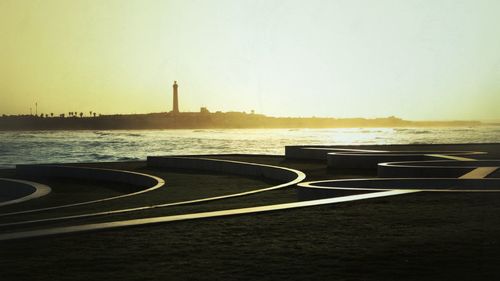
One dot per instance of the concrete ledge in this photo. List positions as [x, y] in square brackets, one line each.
[85, 173]
[318, 152]
[371, 160]
[17, 191]
[430, 169]
[192, 216]
[227, 166]
[290, 176]
[307, 151]
[360, 157]
[329, 188]
[145, 182]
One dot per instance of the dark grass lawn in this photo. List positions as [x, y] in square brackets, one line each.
[424, 236]
[420, 236]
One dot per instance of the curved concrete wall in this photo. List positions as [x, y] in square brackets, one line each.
[367, 161]
[377, 187]
[85, 173]
[371, 160]
[311, 151]
[290, 176]
[146, 182]
[330, 188]
[226, 166]
[356, 158]
[429, 169]
[319, 152]
[17, 191]
[11, 190]
[305, 153]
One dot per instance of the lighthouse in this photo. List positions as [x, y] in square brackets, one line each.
[175, 108]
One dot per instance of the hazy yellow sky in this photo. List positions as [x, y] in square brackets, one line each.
[415, 59]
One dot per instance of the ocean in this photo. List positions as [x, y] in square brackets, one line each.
[22, 147]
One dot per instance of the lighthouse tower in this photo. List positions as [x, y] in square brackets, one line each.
[175, 108]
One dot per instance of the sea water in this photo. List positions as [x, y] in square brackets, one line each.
[21, 147]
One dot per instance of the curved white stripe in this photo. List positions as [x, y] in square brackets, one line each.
[40, 190]
[164, 219]
[125, 223]
[159, 183]
[300, 176]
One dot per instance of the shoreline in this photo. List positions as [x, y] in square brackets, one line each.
[207, 120]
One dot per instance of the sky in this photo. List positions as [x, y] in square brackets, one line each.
[415, 59]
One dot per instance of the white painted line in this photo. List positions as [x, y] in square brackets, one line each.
[300, 176]
[163, 219]
[159, 183]
[458, 158]
[479, 173]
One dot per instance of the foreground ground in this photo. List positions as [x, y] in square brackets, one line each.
[422, 236]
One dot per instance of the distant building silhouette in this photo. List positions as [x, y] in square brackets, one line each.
[175, 108]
